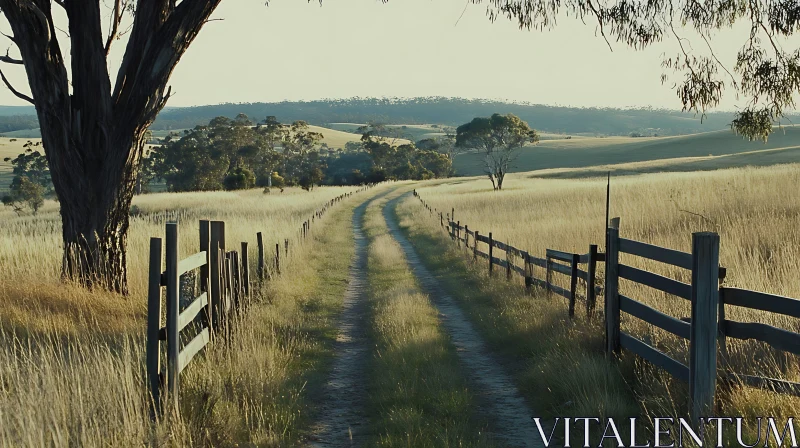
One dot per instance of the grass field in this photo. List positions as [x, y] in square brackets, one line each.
[752, 209]
[70, 359]
[662, 152]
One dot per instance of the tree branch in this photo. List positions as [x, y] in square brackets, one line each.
[115, 21]
[15, 91]
[9, 60]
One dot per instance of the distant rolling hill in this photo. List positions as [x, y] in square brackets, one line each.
[710, 150]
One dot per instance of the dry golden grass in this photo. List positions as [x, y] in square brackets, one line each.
[755, 211]
[418, 394]
[71, 360]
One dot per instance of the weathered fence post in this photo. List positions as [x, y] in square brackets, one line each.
[453, 214]
[154, 326]
[173, 290]
[260, 242]
[286, 245]
[509, 261]
[491, 250]
[612, 292]
[228, 282]
[458, 233]
[245, 270]
[591, 269]
[528, 272]
[475, 248]
[441, 219]
[548, 274]
[466, 236]
[278, 258]
[205, 240]
[703, 340]
[573, 283]
[216, 287]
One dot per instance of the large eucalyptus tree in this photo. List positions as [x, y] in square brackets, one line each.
[92, 127]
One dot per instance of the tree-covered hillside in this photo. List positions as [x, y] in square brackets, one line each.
[455, 111]
[447, 111]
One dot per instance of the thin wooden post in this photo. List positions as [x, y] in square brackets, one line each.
[278, 258]
[441, 219]
[458, 233]
[173, 290]
[528, 272]
[703, 340]
[245, 271]
[466, 236]
[154, 326]
[453, 214]
[260, 243]
[216, 286]
[228, 282]
[491, 251]
[237, 283]
[475, 248]
[573, 283]
[509, 261]
[286, 245]
[591, 269]
[205, 241]
[612, 292]
[548, 275]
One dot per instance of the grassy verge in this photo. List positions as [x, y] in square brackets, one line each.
[558, 363]
[73, 375]
[259, 389]
[417, 393]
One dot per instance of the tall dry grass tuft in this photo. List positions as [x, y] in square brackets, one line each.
[755, 211]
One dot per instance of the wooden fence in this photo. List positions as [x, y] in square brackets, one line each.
[223, 278]
[706, 330]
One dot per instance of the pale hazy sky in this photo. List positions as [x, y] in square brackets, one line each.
[294, 50]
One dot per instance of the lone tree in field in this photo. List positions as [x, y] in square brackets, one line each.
[499, 138]
[92, 128]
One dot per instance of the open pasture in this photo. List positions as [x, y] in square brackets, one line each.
[751, 208]
[71, 359]
[720, 149]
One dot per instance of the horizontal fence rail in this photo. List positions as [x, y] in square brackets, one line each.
[708, 300]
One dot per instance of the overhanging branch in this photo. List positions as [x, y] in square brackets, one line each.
[9, 60]
[17, 93]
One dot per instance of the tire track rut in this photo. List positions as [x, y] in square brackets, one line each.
[497, 395]
[342, 420]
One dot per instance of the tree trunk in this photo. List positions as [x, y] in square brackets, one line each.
[93, 133]
[500, 177]
[95, 250]
[95, 220]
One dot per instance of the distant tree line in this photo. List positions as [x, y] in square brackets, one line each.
[10, 123]
[236, 153]
[447, 111]
[455, 111]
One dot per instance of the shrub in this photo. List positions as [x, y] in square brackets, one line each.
[278, 181]
[239, 179]
[24, 193]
